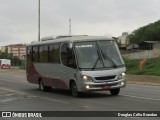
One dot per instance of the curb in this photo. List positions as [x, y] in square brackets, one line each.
[143, 83]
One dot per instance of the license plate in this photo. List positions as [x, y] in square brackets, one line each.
[105, 87]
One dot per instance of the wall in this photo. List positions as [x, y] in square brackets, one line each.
[141, 54]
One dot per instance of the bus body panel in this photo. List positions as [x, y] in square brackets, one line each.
[54, 75]
[59, 75]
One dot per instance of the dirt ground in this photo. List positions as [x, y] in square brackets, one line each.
[143, 79]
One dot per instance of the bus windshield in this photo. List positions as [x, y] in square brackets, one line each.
[98, 54]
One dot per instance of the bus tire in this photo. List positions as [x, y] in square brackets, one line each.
[115, 92]
[74, 90]
[43, 87]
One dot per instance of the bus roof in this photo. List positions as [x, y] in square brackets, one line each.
[71, 39]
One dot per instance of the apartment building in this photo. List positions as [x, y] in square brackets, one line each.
[18, 50]
[123, 40]
[2, 49]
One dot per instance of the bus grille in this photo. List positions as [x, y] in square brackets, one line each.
[105, 77]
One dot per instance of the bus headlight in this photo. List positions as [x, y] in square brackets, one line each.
[122, 83]
[87, 87]
[122, 75]
[85, 77]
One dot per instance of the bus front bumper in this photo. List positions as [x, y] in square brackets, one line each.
[96, 86]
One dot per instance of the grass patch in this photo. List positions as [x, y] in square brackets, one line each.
[151, 67]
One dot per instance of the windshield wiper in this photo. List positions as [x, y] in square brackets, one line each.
[107, 57]
[98, 58]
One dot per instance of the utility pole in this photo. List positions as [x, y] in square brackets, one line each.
[39, 20]
[70, 27]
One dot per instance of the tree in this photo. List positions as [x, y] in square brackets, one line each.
[146, 33]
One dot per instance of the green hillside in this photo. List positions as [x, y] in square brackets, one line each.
[151, 67]
[150, 32]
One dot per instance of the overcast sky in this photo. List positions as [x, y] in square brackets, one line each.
[19, 18]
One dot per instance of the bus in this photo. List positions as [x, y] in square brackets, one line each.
[5, 63]
[76, 63]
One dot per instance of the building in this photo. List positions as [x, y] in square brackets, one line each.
[3, 49]
[18, 50]
[122, 40]
[147, 49]
[148, 45]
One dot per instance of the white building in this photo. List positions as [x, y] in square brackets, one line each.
[122, 40]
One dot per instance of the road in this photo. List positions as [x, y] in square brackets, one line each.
[16, 94]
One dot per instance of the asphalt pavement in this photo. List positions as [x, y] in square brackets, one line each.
[16, 94]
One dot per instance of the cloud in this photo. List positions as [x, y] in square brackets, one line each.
[19, 18]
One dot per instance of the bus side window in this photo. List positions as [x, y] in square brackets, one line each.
[72, 60]
[43, 54]
[35, 54]
[54, 53]
[64, 54]
[29, 54]
[67, 56]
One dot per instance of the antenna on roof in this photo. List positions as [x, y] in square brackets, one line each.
[70, 27]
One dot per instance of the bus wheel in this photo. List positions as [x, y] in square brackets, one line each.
[43, 87]
[74, 90]
[115, 91]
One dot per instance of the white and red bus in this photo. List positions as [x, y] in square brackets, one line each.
[76, 63]
[5, 63]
